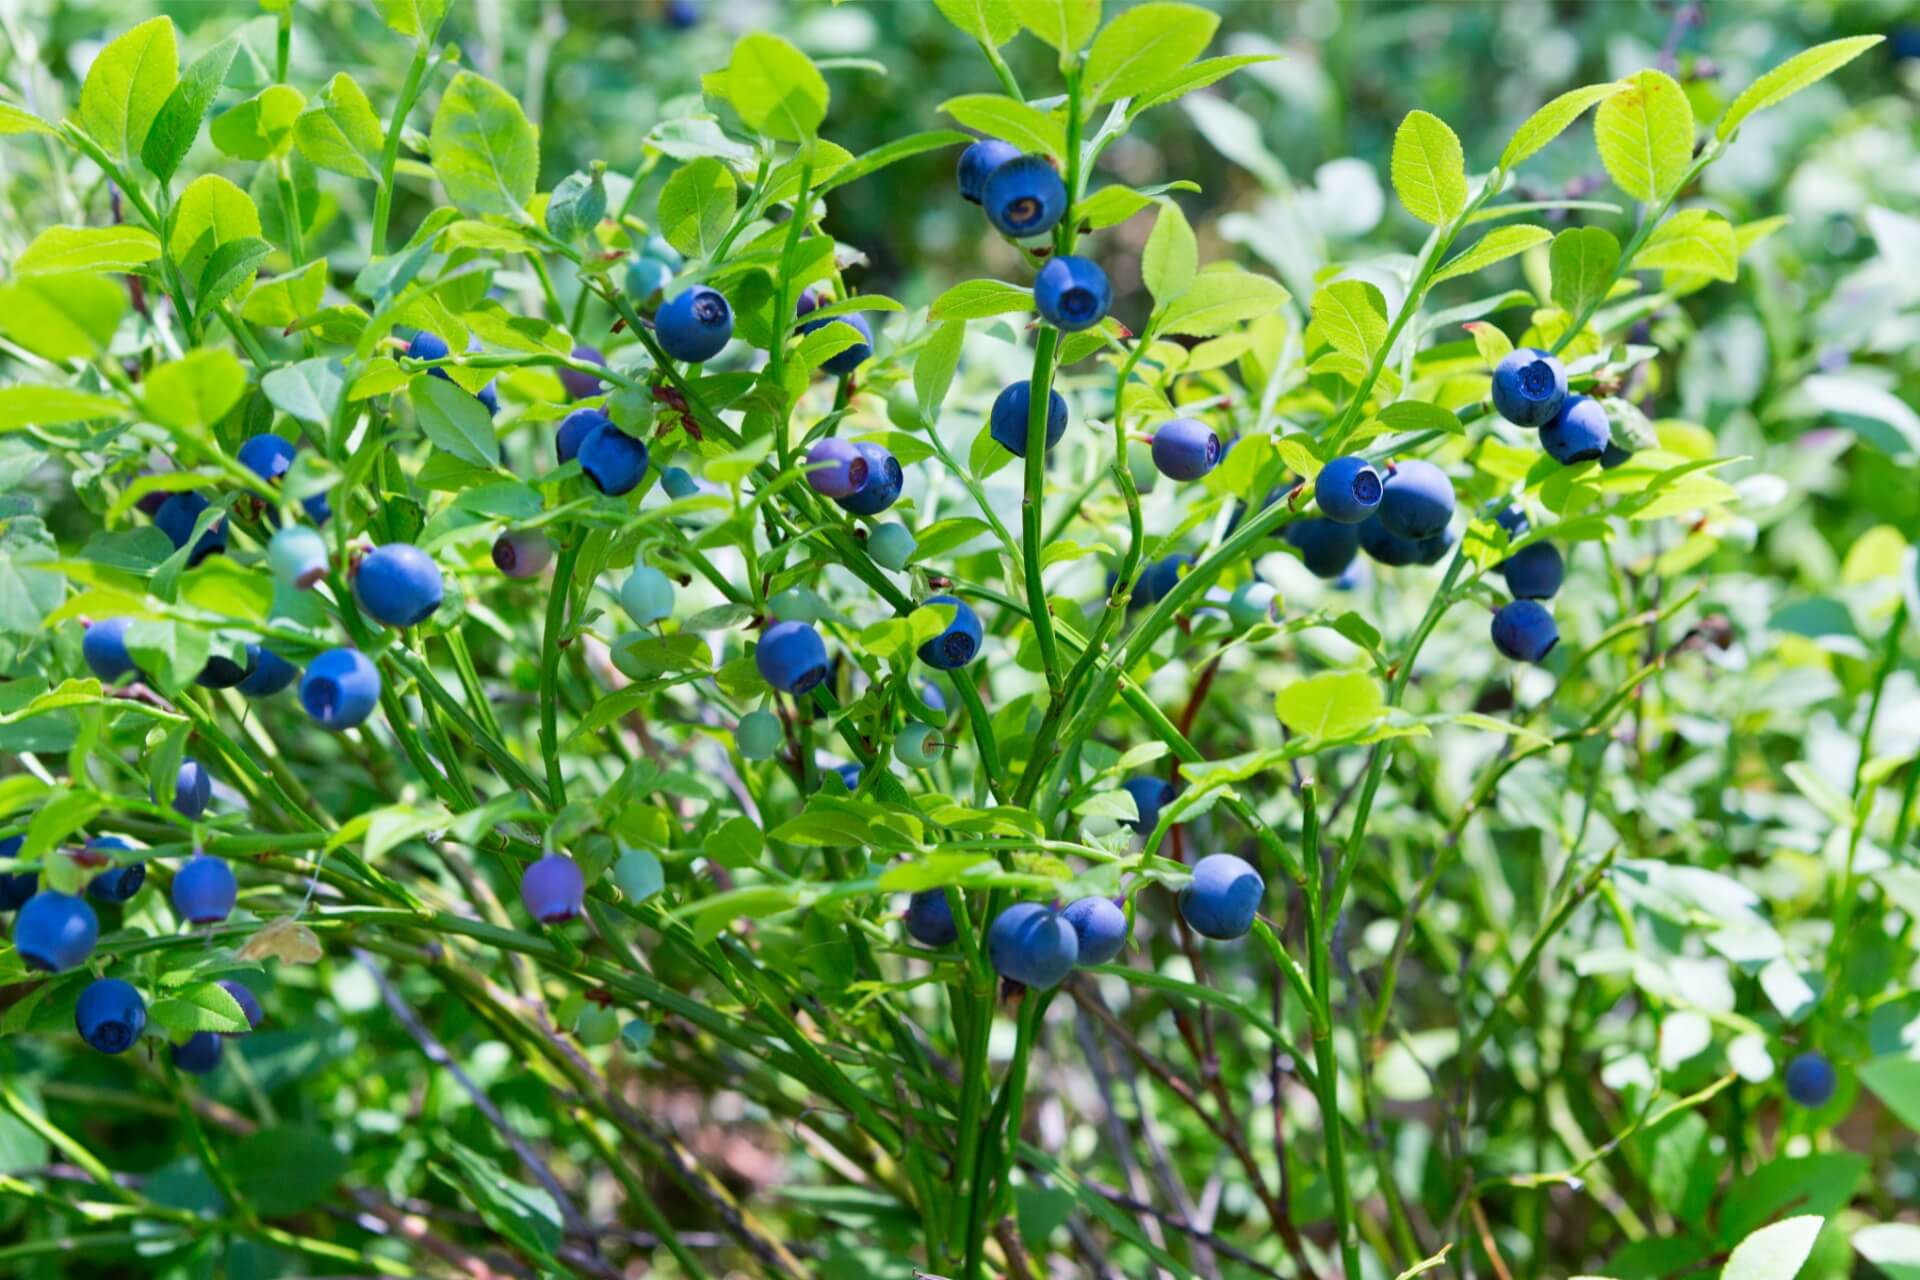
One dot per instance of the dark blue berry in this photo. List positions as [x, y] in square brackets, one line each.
[222, 672]
[1072, 293]
[1032, 945]
[55, 931]
[267, 456]
[1386, 547]
[1223, 897]
[1811, 1079]
[399, 584]
[105, 649]
[881, 489]
[1150, 796]
[1524, 631]
[1579, 433]
[204, 890]
[430, 346]
[553, 889]
[930, 919]
[1347, 489]
[791, 657]
[1528, 386]
[1185, 449]
[1161, 577]
[578, 385]
[1416, 500]
[574, 428]
[1534, 572]
[849, 775]
[340, 689]
[844, 362]
[1024, 197]
[1007, 422]
[1434, 549]
[1326, 547]
[957, 645]
[694, 325]
[249, 1004]
[176, 518]
[977, 164]
[200, 1054]
[613, 460]
[192, 790]
[120, 882]
[1100, 926]
[18, 886]
[110, 1015]
[271, 673]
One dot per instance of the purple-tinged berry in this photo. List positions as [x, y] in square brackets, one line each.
[522, 553]
[553, 889]
[580, 385]
[1348, 489]
[1223, 897]
[881, 489]
[835, 467]
[1032, 945]
[1185, 449]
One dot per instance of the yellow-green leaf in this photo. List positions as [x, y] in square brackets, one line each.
[1791, 76]
[1429, 169]
[1644, 135]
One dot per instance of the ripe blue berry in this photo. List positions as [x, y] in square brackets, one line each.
[891, 545]
[223, 672]
[842, 363]
[117, 883]
[110, 1015]
[1613, 455]
[957, 645]
[1416, 501]
[849, 775]
[578, 385]
[269, 673]
[647, 278]
[105, 649]
[881, 489]
[1326, 547]
[55, 931]
[1811, 1079]
[200, 1054]
[1356, 576]
[430, 346]
[1072, 293]
[340, 689]
[1386, 547]
[836, 468]
[1100, 926]
[16, 887]
[977, 164]
[204, 890]
[249, 1006]
[1161, 577]
[298, 555]
[918, 746]
[574, 428]
[1007, 422]
[1534, 572]
[1024, 197]
[615, 461]
[522, 553]
[694, 325]
[678, 483]
[1434, 549]
[399, 584]
[1524, 631]
[1528, 386]
[553, 889]
[176, 518]
[930, 919]
[266, 455]
[791, 657]
[758, 735]
[1185, 449]
[1347, 489]
[1579, 433]
[1514, 520]
[192, 790]
[1150, 796]
[647, 595]
[1223, 897]
[1033, 945]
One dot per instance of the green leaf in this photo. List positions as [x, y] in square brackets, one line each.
[697, 205]
[197, 390]
[1197, 76]
[1893, 1247]
[32, 405]
[168, 653]
[1692, 240]
[776, 89]
[309, 390]
[1644, 135]
[1429, 169]
[1550, 121]
[999, 116]
[1171, 258]
[230, 269]
[178, 124]
[206, 1006]
[1582, 263]
[211, 212]
[577, 204]
[527, 1216]
[285, 1170]
[1490, 341]
[1775, 1252]
[1895, 1080]
[127, 86]
[455, 420]
[977, 299]
[1333, 704]
[58, 249]
[15, 120]
[483, 150]
[419, 19]
[1219, 299]
[1418, 415]
[1351, 316]
[934, 367]
[61, 814]
[1064, 24]
[261, 128]
[340, 132]
[287, 299]
[991, 22]
[1790, 77]
[1143, 47]
[1496, 246]
[63, 317]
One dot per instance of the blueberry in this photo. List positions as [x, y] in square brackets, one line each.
[1811, 1079]
[222, 672]
[1387, 548]
[1007, 422]
[647, 278]
[615, 461]
[249, 1005]
[118, 883]
[1251, 604]
[891, 546]
[1347, 489]
[1513, 519]
[930, 919]
[1534, 572]
[1613, 455]
[522, 553]
[791, 657]
[1100, 926]
[553, 889]
[1223, 897]
[695, 325]
[55, 931]
[1579, 433]
[268, 674]
[678, 483]
[430, 346]
[1528, 386]
[105, 649]
[930, 694]
[758, 734]
[1416, 500]
[977, 164]
[835, 468]
[200, 1054]
[1434, 549]
[647, 595]
[1161, 577]
[845, 362]
[204, 890]
[489, 396]
[1150, 796]
[340, 689]
[574, 428]
[1524, 631]
[298, 555]
[1185, 449]
[1356, 576]
[192, 790]
[881, 489]
[176, 518]
[398, 584]
[957, 645]
[918, 746]
[1033, 945]
[110, 1015]
[1072, 293]
[1325, 546]
[318, 509]
[578, 385]
[267, 456]
[16, 887]
[1024, 196]
[849, 775]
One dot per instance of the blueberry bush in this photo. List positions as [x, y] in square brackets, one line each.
[1242, 725]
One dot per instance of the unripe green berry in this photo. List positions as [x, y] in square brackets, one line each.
[758, 735]
[638, 875]
[891, 546]
[903, 410]
[647, 595]
[794, 605]
[1252, 605]
[918, 745]
[298, 555]
[597, 1026]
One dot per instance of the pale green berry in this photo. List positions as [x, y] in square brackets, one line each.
[794, 605]
[891, 546]
[1252, 605]
[647, 595]
[903, 410]
[638, 874]
[919, 745]
[758, 735]
[597, 1026]
[299, 556]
